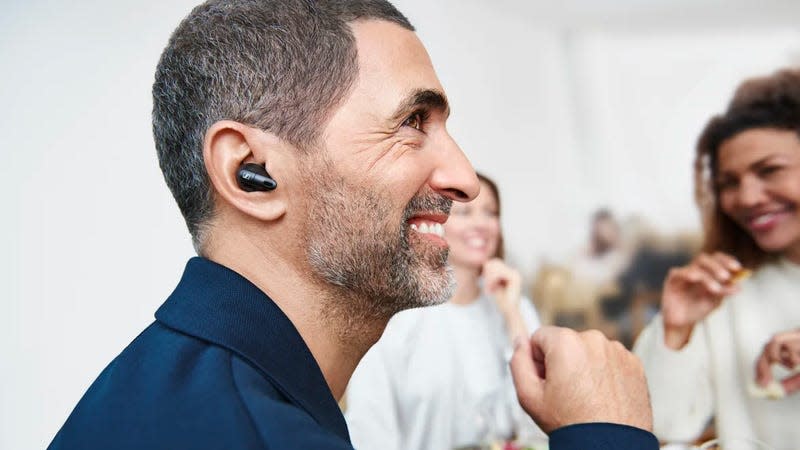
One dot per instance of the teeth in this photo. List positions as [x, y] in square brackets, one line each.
[476, 242]
[429, 228]
[439, 230]
[761, 220]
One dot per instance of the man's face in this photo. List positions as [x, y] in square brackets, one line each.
[382, 186]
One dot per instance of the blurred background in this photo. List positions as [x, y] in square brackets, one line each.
[573, 107]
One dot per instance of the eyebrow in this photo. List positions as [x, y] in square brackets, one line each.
[422, 98]
[765, 161]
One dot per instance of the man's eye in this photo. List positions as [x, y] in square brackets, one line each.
[415, 121]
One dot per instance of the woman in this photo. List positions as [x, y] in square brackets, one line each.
[713, 349]
[439, 378]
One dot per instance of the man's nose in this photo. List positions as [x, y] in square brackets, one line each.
[454, 177]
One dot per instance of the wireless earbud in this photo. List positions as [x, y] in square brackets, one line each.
[254, 177]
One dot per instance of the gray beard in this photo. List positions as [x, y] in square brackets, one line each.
[365, 259]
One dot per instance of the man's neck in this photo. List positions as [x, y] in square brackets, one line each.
[336, 339]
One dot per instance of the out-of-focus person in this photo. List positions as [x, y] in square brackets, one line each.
[604, 258]
[439, 376]
[723, 345]
[595, 273]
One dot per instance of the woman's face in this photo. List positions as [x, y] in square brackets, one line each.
[759, 186]
[473, 230]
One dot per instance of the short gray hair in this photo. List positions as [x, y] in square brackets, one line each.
[278, 65]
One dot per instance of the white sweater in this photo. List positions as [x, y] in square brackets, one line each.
[424, 385]
[711, 374]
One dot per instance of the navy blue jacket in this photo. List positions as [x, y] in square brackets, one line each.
[222, 367]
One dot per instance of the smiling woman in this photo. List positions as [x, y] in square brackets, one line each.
[722, 339]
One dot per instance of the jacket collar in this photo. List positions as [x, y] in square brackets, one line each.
[218, 305]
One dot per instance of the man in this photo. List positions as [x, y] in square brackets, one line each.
[337, 108]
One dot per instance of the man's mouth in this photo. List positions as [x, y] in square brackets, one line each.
[429, 228]
[428, 225]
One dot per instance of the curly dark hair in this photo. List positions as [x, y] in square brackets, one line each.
[771, 101]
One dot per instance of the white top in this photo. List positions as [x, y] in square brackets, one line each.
[599, 269]
[438, 379]
[710, 376]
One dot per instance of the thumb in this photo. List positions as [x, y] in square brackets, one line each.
[528, 380]
[791, 384]
[763, 370]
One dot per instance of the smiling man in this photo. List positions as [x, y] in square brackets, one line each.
[335, 107]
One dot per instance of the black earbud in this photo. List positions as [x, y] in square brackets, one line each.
[254, 177]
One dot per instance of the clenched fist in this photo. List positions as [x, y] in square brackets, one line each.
[564, 377]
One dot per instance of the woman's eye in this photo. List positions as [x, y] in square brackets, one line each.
[415, 121]
[769, 170]
[726, 184]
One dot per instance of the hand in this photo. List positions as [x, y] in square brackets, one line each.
[564, 377]
[504, 284]
[783, 349]
[692, 292]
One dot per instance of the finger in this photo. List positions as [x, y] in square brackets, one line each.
[699, 277]
[794, 357]
[731, 263]
[499, 270]
[492, 280]
[501, 277]
[773, 351]
[545, 338]
[538, 361]
[492, 269]
[789, 342]
[716, 269]
[763, 370]
[492, 265]
[527, 382]
[789, 356]
[790, 339]
[791, 384]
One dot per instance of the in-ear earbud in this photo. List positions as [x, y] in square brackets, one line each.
[254, 177]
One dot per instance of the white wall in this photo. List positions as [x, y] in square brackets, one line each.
[91, 240]
[566, 111]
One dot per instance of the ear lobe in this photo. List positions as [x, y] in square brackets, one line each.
[227, 146]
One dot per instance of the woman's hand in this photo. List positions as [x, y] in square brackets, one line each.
[693, 291]
[783, 349]
[504, 284]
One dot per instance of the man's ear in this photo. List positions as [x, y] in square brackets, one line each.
[227, 146]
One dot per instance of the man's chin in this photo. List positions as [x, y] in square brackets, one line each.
[435, 286]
